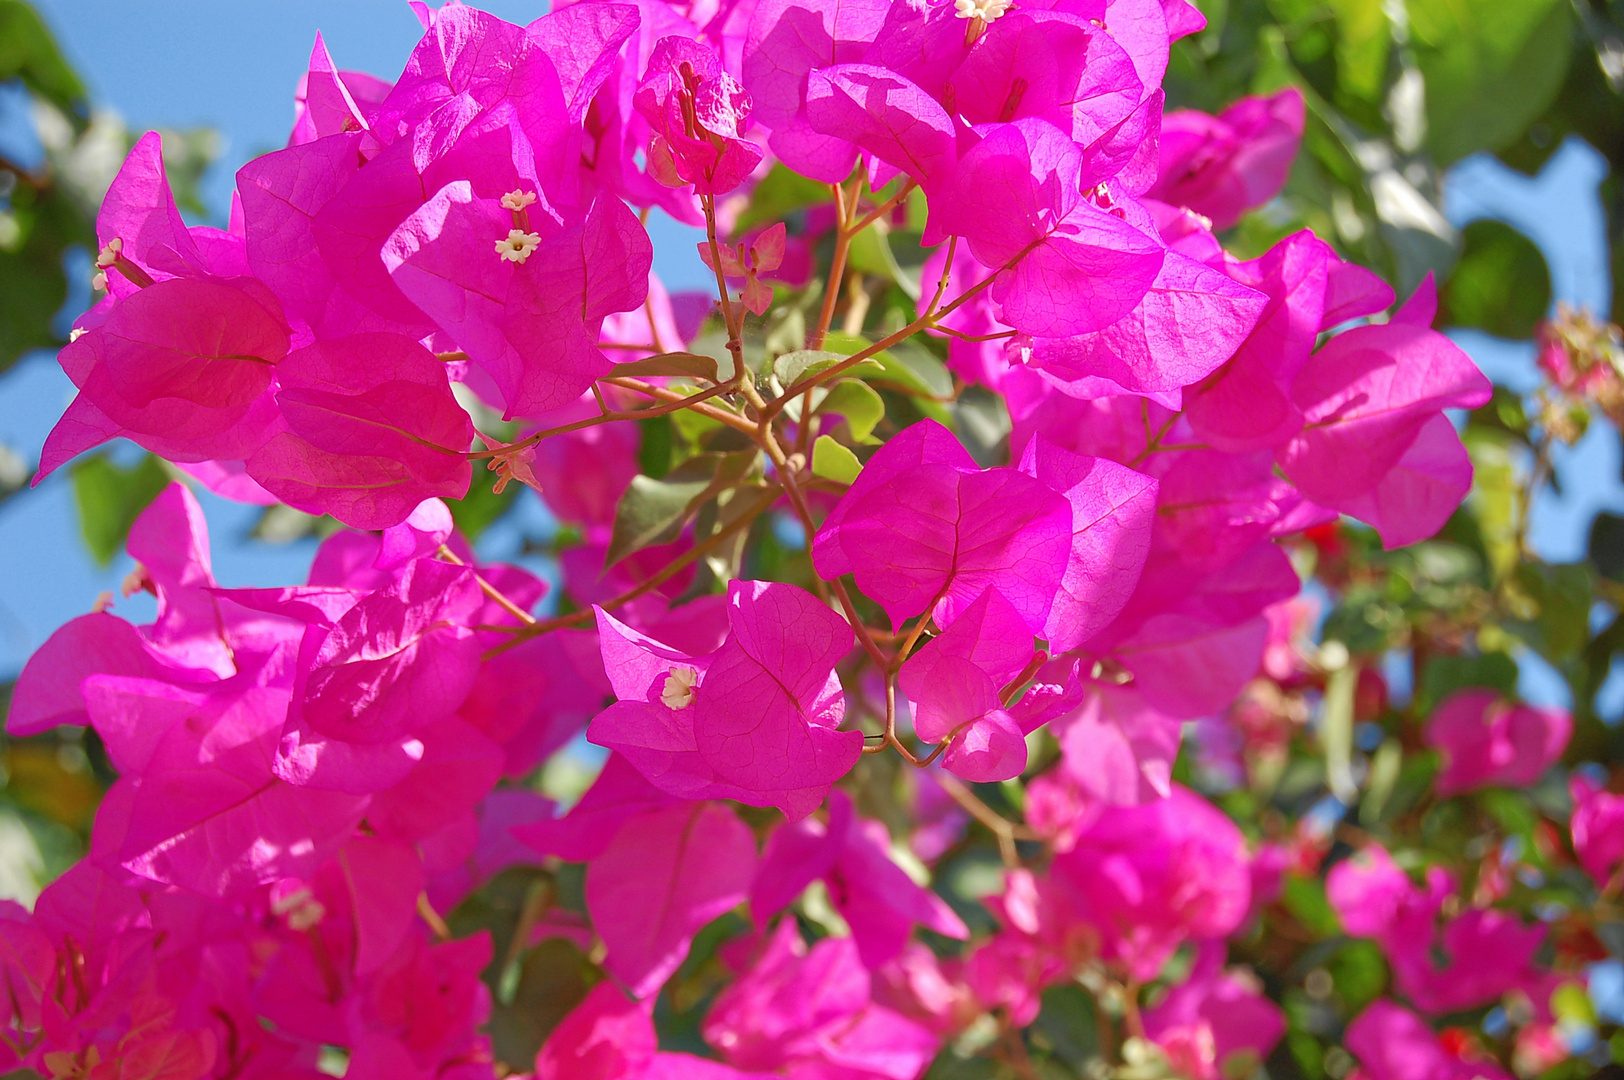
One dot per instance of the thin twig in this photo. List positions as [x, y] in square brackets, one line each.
[490, 590]
[1005, 830]
[576, 618]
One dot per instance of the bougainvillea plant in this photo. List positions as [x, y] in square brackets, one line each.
[896, 570]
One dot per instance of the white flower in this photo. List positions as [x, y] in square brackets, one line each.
[985, 10]
[679, 688]
[518, 245]
[518, 200]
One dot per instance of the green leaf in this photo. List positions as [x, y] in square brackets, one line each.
[1068, 1025]
[111, 498]
[481, 507]
[858, 403]
[1443, 675]
[35, 230]
[871, 253]
[1500, 284]
[553, 978]
[915, 362]
[1359, 973]
[1362, 42]
[1563, 595]
[28, 52]
[654, 452]
[654, 511]
[1607, 545]
[792, 367]
[678, 364]
[1305, 899]
[906, 367]
[834, 462]
[1491, 68]
[1571, 1004]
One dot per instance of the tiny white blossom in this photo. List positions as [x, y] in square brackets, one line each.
[109, 253]
[517, 200]
[518, 245]
[679, 688]
[985, 10]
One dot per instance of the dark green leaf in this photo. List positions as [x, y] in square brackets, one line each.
[677, 364]
[553, 978]
[43, 223]
[1563, 595]
[1607, 545]
[1305, 899]
[654, 511]
[1500, 284]
[1068, 1026]
[1359, 974]
[111, 498]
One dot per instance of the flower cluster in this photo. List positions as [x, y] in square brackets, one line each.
[314, 780]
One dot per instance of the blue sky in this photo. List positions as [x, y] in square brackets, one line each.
[233, 66]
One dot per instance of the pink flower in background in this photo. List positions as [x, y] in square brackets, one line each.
[1392, 1043]
[1597, 829]
[1215, 1023]
[1148, 878]
[851, 856]
[1486, 741]
[1222, 166]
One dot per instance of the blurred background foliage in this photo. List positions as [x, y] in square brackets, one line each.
[1398, 92]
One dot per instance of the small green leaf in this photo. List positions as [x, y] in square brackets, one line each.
[909, 368]
[678, 364]
[834, 462]
[111, 498]
[792, 367]
[858, 403]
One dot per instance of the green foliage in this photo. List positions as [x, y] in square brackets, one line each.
[27, 52]
[1491, 68]
[1500, 284]
[482, 507]
[110, 498]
